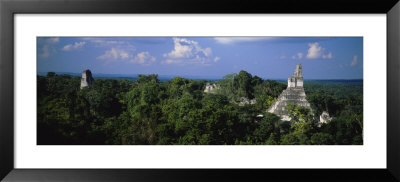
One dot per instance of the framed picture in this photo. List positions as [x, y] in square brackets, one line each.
[153, 90]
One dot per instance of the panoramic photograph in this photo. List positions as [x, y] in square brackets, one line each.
[199, 90]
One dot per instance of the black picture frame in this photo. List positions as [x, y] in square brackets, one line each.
[8, 8]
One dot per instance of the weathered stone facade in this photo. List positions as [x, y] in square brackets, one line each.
[324, 118]
[294, 94]
[211, 88]
[243, 101]
[86, 79]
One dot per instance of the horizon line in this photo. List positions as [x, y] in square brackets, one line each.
[209, 77]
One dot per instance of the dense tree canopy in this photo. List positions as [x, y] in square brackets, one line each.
[177, 111]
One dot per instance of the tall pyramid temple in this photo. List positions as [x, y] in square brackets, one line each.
[294, 94]
[86, 79]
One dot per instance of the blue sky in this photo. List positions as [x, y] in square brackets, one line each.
[266, 57]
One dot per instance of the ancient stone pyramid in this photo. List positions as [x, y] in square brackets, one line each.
[86, 79]
[294, 94]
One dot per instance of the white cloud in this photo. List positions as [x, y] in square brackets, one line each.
[207, 52]
[216, 59]
[354, 61]
[45, 51]
[110, 43]
[48, 46]
[143, 58]
[298, 56]
[115, 54]
[115, 49]
[316, 51]
[170, 61]
[120, 50]
[75, 46]
[53, 40]
[104, 41]
[187, 51]
[233, 40]
[283, 57]
[328, 56]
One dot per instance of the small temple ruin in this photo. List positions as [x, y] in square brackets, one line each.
[211, 88]
[86, 79]
[294, 94]
[324, 117]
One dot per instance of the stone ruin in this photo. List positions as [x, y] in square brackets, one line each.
[243, 101]
[211, 88]
[86, 79]
[294, 94]
[324, 118]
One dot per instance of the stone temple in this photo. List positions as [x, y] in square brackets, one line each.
[294, 94]
[211, 88]
[86, 79]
